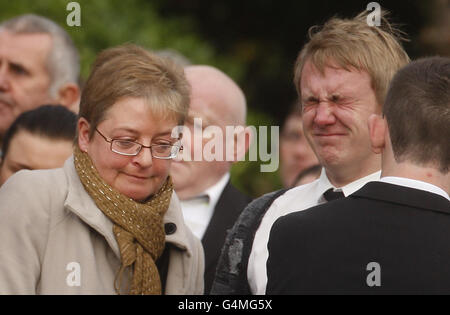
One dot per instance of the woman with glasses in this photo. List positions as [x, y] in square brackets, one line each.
[108, 221]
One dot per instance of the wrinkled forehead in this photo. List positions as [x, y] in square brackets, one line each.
[333, 78]
[22, 40]
[31, 50]
[321, 65]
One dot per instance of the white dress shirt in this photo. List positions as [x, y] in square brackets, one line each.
[295, 199]
[198, 211]
[416, 184]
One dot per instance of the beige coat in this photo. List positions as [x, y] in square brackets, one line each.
[54, 240]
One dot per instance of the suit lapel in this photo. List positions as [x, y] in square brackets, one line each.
[403, 195]
[226, 212]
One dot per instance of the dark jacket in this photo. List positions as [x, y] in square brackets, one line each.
[382, 239]
[227, 210]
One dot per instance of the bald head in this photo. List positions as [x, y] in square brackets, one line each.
[216, 95]
[219, 103]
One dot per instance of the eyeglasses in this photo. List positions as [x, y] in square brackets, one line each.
[131, 148]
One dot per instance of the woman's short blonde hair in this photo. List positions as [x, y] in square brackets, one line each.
[354, 44]
[131, 71]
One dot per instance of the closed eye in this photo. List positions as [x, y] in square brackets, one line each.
[335, 99]
[310, 101]
[18, 69]
[341, 100]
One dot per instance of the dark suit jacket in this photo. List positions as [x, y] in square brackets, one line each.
[328, 248]
[228, 208]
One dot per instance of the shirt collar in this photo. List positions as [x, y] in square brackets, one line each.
[416, 184]
[324, 183]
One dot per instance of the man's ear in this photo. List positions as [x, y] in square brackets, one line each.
[377, 131]
[83, 134]
[242, 139]
[69, 96]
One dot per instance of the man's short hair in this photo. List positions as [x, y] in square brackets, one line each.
[417, 110]
[352, 43]
[48, 121]
[63, 61]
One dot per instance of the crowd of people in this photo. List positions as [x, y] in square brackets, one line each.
[96, 197]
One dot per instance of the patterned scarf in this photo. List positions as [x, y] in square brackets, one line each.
[138, 227]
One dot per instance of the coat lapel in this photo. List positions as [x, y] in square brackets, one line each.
[81, 204]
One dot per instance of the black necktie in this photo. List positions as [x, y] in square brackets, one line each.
[331, 195]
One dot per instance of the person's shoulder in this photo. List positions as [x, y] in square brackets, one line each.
[35, 189]
[35, 180]
[281, 196]
[262, 202]
[32, 198]
[333, 208]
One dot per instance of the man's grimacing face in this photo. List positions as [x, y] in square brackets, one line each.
[336, 108]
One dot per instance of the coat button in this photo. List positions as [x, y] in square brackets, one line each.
[170, 228]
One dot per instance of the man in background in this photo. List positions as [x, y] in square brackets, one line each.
[209, 202]
[39, 65]
[41, 138]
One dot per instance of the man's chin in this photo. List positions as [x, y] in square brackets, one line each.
[330, 157]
